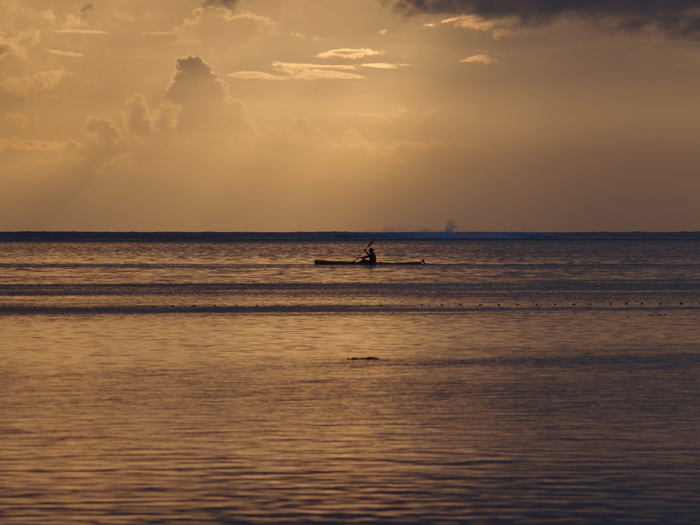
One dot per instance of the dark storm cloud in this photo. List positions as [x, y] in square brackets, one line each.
[675, 17]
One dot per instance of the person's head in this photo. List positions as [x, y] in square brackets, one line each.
[371, 250]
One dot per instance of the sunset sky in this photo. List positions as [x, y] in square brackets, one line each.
[378, 115]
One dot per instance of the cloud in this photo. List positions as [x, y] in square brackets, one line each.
[16, 121]
[15, 43]
[140, 120]
[228, 4]
[21, 28]
[102, 141]
[309, 71]
[217, 26]
[350, 53]
[195, 79]
[479, 59]
[677, 18]
[158, 33]
[138, 117]
[302, 71]
[471, 22]
[256, 75]
[498, 28]
[382, 65]
[206, 107]
[32, 146]
[29, 86]
[102, 132]
[79, 31]
[69, 54]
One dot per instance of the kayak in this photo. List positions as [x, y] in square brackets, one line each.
[324, 261]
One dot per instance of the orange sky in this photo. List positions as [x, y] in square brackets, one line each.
[282, 115]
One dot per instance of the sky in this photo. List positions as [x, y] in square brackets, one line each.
[353, 115]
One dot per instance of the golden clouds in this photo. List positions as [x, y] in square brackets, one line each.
[31, 146]
[68, 54]
[20, 29]
[138, 119]
[29, 86]
[218, 26]
[205, 104]
[479, 59]
[497, 28]
[350, 53]
[310, 71]
[80, 31]
[322, 71]
[103, 139]
[14, 43]
[159, 107]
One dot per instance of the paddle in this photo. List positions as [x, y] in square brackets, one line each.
[363, 251]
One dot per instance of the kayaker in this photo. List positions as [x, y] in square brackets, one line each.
[370, 258]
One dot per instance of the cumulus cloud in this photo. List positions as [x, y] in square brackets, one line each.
[103, 140]
[677, 18]
[204, 99]
[101, 131]
[140, 120]
[194, 79]
[138, 116]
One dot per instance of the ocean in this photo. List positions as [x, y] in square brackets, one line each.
[213, 378]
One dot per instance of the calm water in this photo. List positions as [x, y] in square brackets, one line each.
[516, 381]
